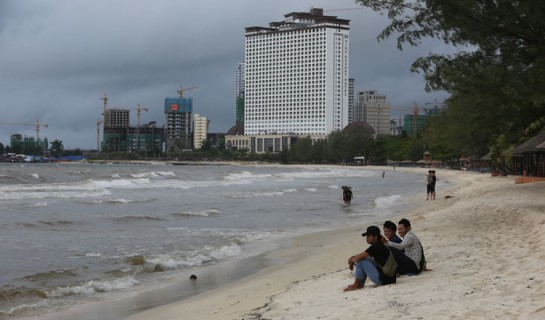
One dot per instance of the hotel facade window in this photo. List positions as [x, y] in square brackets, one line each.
[296, 75]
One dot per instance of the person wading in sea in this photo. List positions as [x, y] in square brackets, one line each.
[347, 194]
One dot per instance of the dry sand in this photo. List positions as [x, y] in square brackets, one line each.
[485, 244]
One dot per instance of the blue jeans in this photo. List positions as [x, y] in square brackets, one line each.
[367, 268]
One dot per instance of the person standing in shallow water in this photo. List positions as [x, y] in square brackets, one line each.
[347, 194]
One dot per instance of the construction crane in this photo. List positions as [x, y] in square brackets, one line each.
[139, 110]
[105, 99]
[99, 122]
[37, 125]
[182, 90]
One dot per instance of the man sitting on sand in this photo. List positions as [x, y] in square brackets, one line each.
[370, 262]
[411, 246]
[390, 232]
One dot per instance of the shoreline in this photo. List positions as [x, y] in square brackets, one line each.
[484, 265]
[180, 288]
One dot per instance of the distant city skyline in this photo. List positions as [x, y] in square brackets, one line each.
[57, 59]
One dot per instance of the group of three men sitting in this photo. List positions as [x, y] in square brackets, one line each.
[408, 254]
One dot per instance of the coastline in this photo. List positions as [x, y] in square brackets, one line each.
[484, 265]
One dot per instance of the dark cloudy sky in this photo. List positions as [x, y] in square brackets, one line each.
[58, 57]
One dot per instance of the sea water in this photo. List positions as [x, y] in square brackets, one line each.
[74, 233]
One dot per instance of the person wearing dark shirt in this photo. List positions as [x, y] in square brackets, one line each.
[429, 180]
[390, 230]
[433, 181]
[369, 263]
[347, 194]
[410, 247]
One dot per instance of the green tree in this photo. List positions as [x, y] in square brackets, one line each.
[56, 148]
[496, 79]
[302, 150]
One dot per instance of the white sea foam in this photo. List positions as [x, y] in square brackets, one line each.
[35, 175]
[93, 254]
[43, 191]
[166, 173]
[93, 287]
[121, 183]
[386, 202]
[144, 175]
[202, 213]
[311, 189]
[261, 194]
[38, 205]
[198, 258]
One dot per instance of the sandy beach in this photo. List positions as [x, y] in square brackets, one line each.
[482, 237]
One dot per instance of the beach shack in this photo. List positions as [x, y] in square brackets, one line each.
[529, 157]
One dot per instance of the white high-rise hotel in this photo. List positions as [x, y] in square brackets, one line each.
[296, 77]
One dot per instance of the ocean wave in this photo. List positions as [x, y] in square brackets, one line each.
[92, 287]
[56, 222]
[325, 173]
[203, 213]
[37, 205]
[35, 175]
[154, 174]
[120, 183]
[50, 275]
[386, 202]
[22, 309]
[260, 194]
[42, 191]
[208, 254]
[246, 175]
[137, 218]
[300, 174]
[121, 200]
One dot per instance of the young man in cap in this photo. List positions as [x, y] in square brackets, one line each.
[369, 263]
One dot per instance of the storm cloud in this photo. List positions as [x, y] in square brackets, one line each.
[58, 58]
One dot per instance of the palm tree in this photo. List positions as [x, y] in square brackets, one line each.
[57, 148]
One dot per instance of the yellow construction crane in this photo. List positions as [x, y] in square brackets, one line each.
[139, 110]
[182, 90]
[37, 125]
[99, 122]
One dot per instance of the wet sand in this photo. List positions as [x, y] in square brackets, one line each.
[484, 243]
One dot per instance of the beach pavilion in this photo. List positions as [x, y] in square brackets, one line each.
[529, 157]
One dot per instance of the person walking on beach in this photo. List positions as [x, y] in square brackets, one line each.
[428, 185]
[347, 194]
[370, 263]
[433, 181]
[411, 246]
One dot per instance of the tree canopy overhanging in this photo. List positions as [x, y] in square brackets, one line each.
[495, 80]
